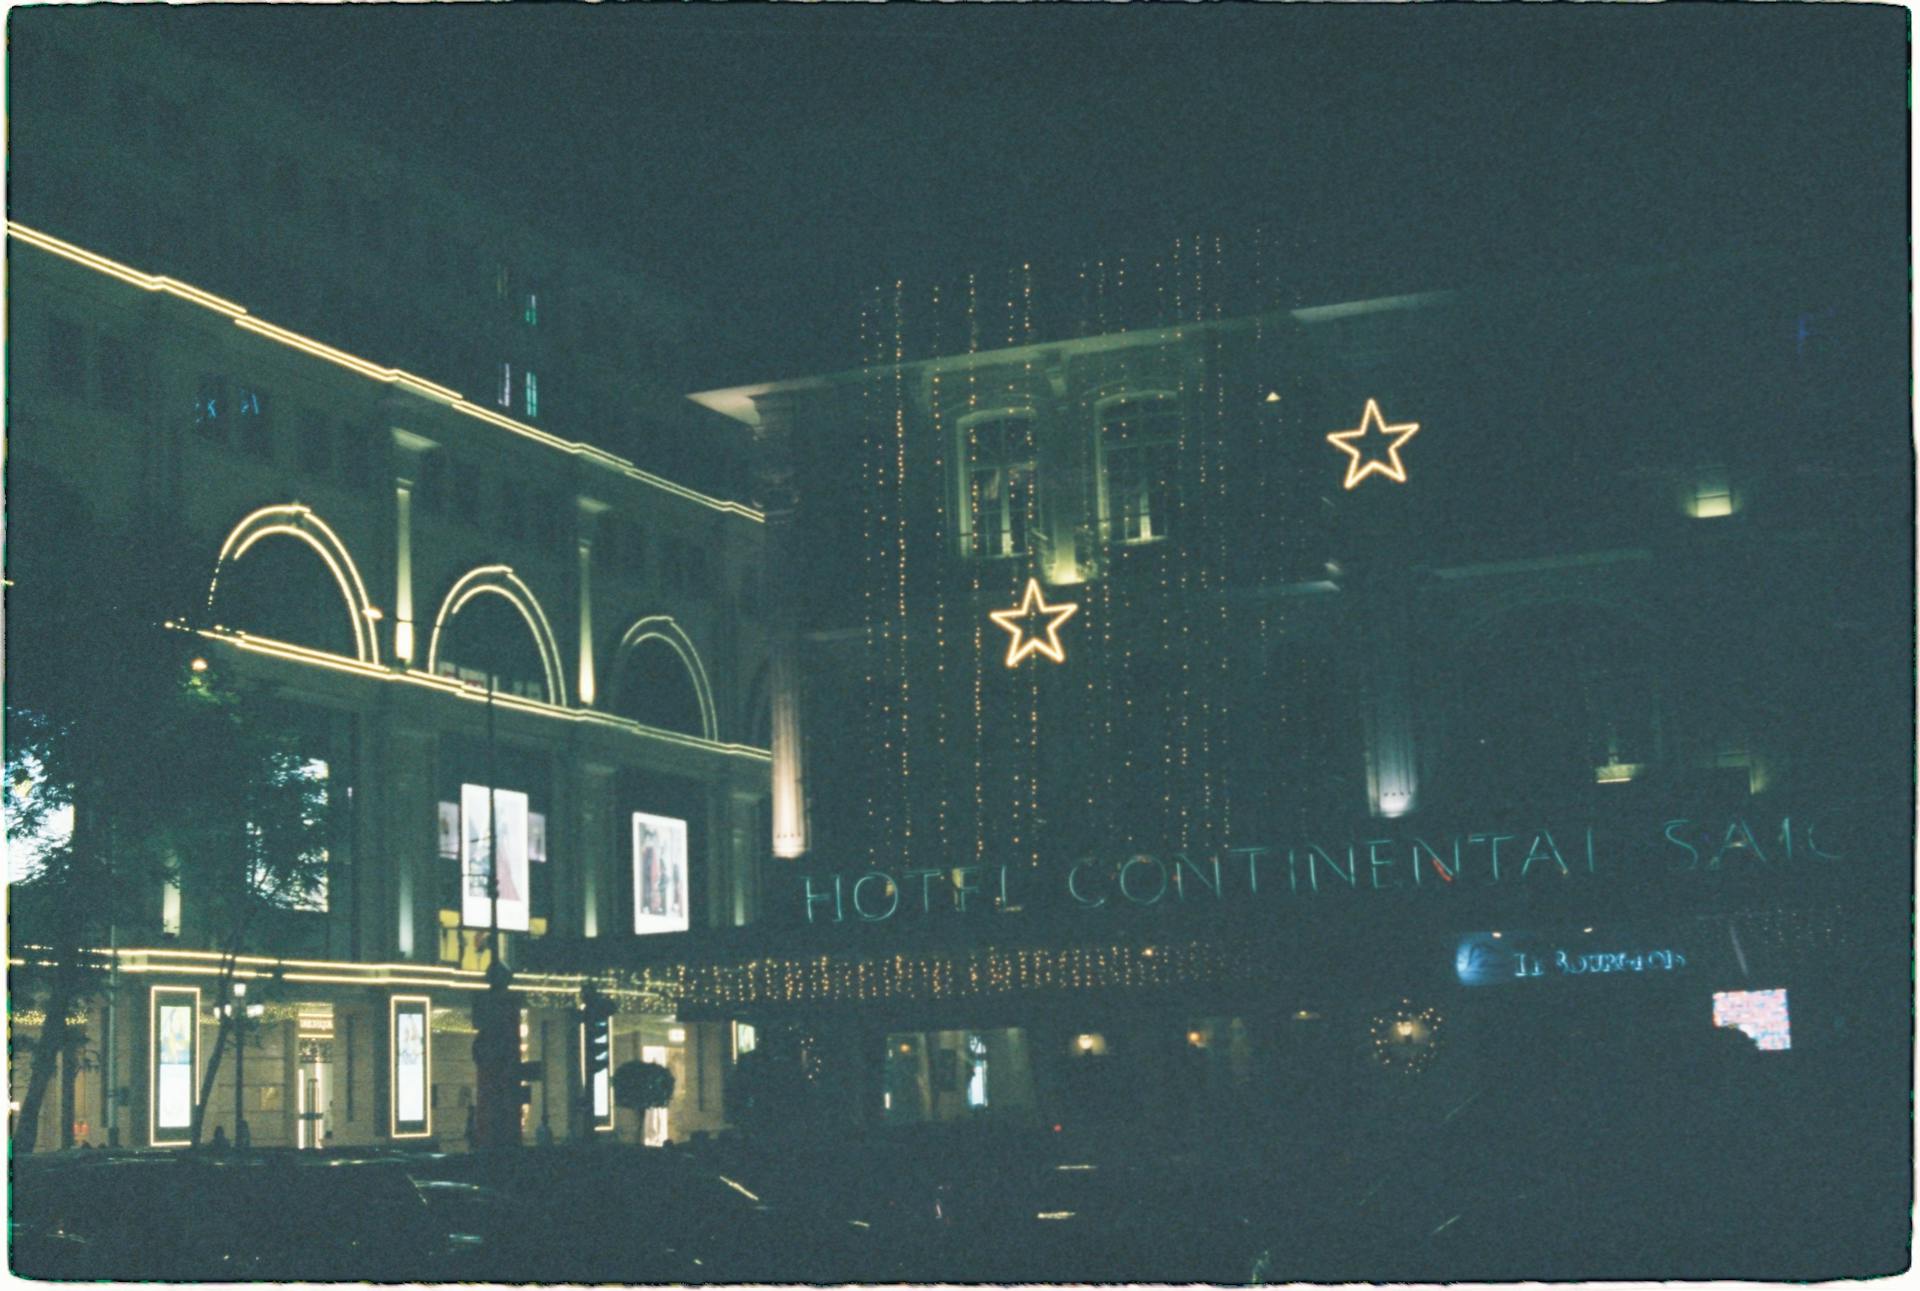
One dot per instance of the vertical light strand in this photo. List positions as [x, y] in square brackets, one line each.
[900, 505]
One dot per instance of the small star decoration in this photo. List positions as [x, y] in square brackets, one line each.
[1020, 624]
[1358, 469]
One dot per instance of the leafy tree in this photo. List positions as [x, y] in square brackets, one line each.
[165, 771]
[642, 1086]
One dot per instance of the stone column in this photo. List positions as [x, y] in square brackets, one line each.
[586, 516]
[774, 492]
[1393, 779]
[408, 449]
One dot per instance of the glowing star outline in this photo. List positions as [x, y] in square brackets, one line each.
[1391, 467]
[1032, 602]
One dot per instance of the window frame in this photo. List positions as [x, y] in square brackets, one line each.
[1103, 414]
[970, 541]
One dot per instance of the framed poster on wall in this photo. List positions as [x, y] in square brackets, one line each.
[410, 1074]
[174, 1060]
[477, 856]
[659, 874]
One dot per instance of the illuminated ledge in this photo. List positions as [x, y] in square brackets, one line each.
[461, 690]
[207, 963]
[372, 371]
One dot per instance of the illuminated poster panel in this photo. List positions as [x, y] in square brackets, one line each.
[1761, 1014]
[598, 1038]
[659, 874]
[510, 811]
[412, 1065]
[175, 1056]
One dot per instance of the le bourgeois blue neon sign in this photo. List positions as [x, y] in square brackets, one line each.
[1492, 959]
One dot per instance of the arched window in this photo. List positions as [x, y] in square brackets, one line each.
[659, 681]
[489, 636]
[279, 591]
[491, 625]
[284, 574]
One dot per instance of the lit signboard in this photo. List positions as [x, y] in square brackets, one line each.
[412, 1074]
[1761, 1014]
[477, 857]
[659, 874]
[1490, 959]
[175, 1058]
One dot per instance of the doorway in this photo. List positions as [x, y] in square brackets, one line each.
[313, 1099]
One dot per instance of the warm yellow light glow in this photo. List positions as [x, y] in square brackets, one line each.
[198, 665]
[676, 1035]
[1358, 469]
[1616, 772]
[502, 581]
[661, 627]
[1273, 396]
[1033, 605]
[373, 371]
[459, 690]
[740, 1188]
[297, 521]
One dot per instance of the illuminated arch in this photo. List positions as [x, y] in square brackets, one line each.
[661, 627]
[297, 521]
[500, 580]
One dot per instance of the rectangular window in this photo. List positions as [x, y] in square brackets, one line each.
[531, 315]
[659, 874]
[359, 453]
[250, 409]
[210, 407]
[412, 1072]
[533, 395]
[174, 1023]
[506, 386]
[113, 371]
[316, 446]
[1002, 505]
[66, 358]
[1139, 444]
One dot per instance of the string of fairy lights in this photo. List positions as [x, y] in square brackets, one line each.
[1039, 767]
[1406, 1039]
[980, 971]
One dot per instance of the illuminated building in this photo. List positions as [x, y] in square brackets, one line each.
[1329, 779]
[412, 449]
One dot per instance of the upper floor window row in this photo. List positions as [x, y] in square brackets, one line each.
[1134, 456]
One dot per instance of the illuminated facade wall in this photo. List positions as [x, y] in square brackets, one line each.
[1542, 619]
[372, 547]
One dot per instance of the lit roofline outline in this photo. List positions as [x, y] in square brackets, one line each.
[296, 522]
[502, 581]
[373, 371]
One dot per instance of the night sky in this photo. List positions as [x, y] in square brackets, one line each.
[771, 163]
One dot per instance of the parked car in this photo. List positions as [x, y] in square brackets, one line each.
[196, 1218]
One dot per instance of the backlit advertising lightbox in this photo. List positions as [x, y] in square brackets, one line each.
[175, 1057]
[412, 1065]
[659, 874]
[510, 813]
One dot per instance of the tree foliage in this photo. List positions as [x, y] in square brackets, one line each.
[169, 771]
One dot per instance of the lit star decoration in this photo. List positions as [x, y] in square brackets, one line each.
[1358, 469]
[1027, 641]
